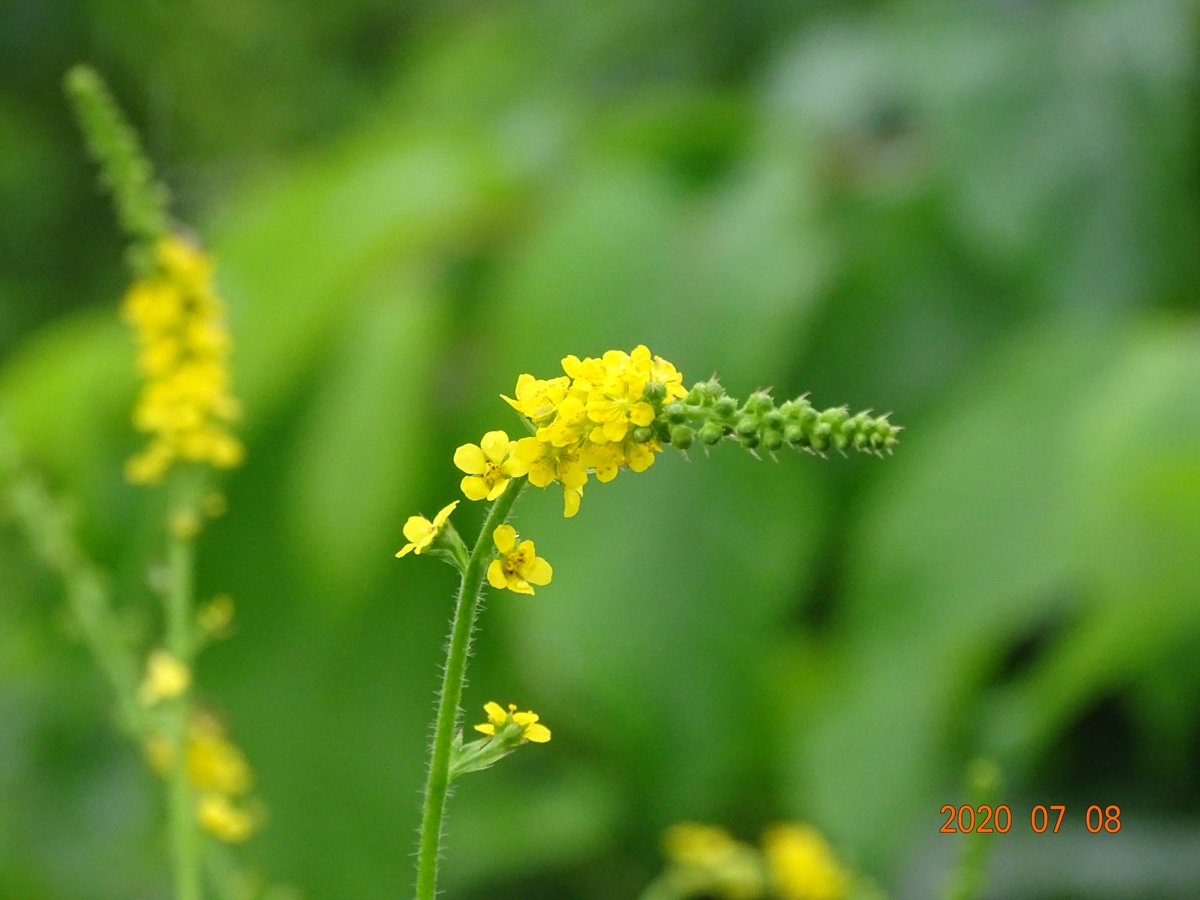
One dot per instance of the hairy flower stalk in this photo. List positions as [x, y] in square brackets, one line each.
[186, 409]
[603, 416]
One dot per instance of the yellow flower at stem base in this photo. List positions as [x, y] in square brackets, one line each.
[802, 864]
[518, 567]
[421, 532]
[531, 728]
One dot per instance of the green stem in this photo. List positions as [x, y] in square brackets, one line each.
[466, 607]
[185, 845]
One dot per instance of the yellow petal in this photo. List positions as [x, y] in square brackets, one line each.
[571, 498]
[497, 488]
[405, 550]
[495, 575]
[495, 445]
[474, 487]
[416, 528]
[470, 459]
[505, 537]
[537, 733]
[519, 586]
[440, 519]
[538, 572]
[486, 729]
[495, 712]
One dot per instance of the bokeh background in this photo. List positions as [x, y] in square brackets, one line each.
[982, 216]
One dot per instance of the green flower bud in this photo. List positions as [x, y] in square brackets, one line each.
[759, 402]
[793, 433]
[675, 412]
[643, 434]
[682, 437]
[746, 425]
[711, 433]
[749, 441]
[725, 406]
[772, 439]
[655, 392]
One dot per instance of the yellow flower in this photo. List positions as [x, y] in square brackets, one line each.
[488, 466]
[217, 771]
[802, 865]
[708, 860]
[537, 399]
[518, 566]
[166, 677]
[547, 463]
[531, 728]
[217, 815]
[185, 404]
[421, 532]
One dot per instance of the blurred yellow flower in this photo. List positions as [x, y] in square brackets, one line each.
[185, 404]
[165, 677]
[421, 532]
[218, 815]
[707, 859]
[216, 769]
[518, 567]
[802, 865]
[498, 718]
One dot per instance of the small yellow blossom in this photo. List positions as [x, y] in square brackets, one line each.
[216, 770]
[518, 567]
[218, 815]
[166, 677]
[802, 865]
[531, 728]
[707, 859]
[537, 400]
[547, 463]
[488, 466]
[215, 617]
[185, 405]
[421, 532]
[214, 763]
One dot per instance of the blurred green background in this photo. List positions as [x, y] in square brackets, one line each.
[982, 216]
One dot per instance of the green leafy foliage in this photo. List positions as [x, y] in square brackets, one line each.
[982, 218]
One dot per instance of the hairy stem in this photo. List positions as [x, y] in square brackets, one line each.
[466, 607]
[185, 845]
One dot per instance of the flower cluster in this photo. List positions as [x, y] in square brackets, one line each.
[794, 863]
[219, 774]
[593, 419]
[185, 404]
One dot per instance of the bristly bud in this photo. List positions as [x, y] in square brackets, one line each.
[711, 433]
[682, 437]
[655, 392]
[643, 435]
[725, 407]
[759, 402]
[710, 415]
[141, 202]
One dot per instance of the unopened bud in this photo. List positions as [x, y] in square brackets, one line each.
[682, 437]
